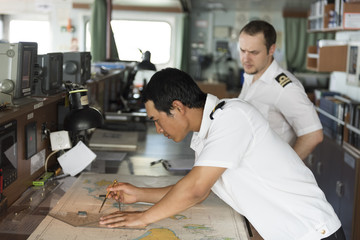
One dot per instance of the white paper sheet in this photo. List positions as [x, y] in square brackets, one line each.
[76, 159]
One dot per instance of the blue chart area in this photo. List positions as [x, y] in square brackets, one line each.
[211, 220]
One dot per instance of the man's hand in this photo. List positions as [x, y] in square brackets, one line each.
[124, 192]
[124, 219]
[190, 190]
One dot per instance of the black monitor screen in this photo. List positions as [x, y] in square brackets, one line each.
[26, 69]
[54, 72]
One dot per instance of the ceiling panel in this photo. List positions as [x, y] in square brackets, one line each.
[156, 4]
[7, 6]
[251, 5]
[147, 3]
[225, 5]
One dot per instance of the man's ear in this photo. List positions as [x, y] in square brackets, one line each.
[178, 106]
[272, 49]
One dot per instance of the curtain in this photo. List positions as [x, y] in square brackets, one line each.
[297, 40]
[98, 33]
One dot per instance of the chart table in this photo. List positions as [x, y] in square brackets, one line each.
[76, 214]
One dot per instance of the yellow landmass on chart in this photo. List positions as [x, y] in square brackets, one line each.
[158, 233]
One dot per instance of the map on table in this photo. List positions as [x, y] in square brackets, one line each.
[77, 213]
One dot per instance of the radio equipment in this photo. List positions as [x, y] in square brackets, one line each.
[17, 62]
[49, 74]
[77, 67]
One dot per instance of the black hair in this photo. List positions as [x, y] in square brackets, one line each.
[170, 84]
[259, 26]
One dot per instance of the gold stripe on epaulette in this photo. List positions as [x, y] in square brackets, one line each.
[283, 80]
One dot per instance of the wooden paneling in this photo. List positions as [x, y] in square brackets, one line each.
[42, 112]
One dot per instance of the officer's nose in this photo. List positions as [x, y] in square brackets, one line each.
[244, 56]
[158, 128]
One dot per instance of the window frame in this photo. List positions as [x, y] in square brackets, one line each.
[173, 19]
[145, 49]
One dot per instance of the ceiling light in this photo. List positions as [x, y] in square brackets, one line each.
[215, 6]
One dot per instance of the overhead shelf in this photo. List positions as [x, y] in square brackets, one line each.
[323, 18]
[327, 58]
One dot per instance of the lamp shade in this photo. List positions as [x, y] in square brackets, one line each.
[82, 119]
[146, 64]
[81, 115]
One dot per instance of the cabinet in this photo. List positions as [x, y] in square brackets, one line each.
[348, 191]
[327, 58]
[335, 162]
[336, 169]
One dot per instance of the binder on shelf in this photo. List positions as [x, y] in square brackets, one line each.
[340, 118]
[333, 127]
[354, 137]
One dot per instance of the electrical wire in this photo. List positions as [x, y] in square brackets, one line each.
[47, 159]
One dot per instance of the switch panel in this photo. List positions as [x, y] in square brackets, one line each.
[30, 136]
[60, 140]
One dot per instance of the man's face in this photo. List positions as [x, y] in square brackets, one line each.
[171, 126]
[253, 54]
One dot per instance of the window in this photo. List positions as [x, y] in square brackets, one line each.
[1, 30]
[87, 36]
[31, 31]
[131, 36]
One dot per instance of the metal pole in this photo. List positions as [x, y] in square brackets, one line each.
[108, 28]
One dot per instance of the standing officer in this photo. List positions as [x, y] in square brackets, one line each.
[275, 92]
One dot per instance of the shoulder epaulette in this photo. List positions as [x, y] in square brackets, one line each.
[283, 80]
[219, 105]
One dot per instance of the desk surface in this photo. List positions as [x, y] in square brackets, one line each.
[211, 219]
[133, 166]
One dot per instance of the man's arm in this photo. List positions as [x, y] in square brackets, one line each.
[128, 193]
[305, 144]
[190, 190]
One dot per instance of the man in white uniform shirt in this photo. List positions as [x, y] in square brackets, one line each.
[237, 156]
[275, 92]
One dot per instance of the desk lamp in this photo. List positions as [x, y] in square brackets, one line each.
[81, 116]
[145, 64]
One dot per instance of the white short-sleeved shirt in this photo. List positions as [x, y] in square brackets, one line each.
[265, 180]
[282, 100]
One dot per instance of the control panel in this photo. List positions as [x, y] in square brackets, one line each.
[24, 144]
[8, 150]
